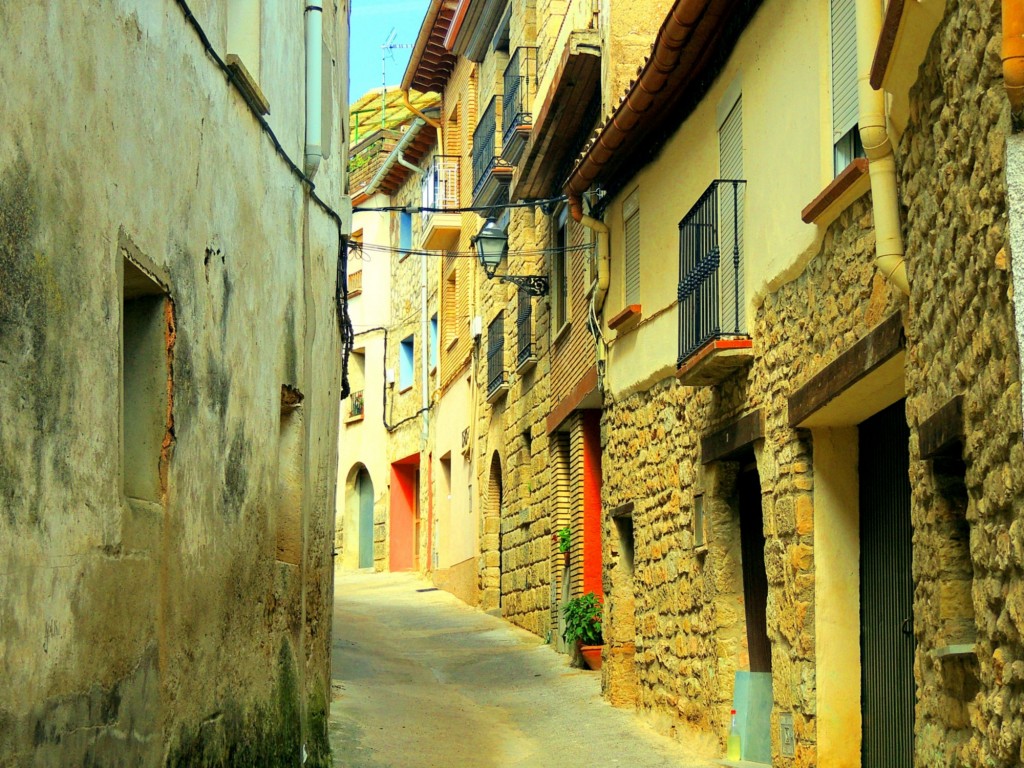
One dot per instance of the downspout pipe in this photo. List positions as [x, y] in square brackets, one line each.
[1013, 56]
[889, 253]
[314, 89]
[396, 153]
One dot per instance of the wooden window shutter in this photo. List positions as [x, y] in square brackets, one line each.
[844, 67]
[730, 215]
[631, 227]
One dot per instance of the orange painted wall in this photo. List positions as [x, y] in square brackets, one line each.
[402, 516]
[592, 503]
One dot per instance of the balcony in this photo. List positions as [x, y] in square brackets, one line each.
[440, 188]
[491, 173]
[527, 356]
[355, 406]
[516, 103]
[497, 379]
[712, 335]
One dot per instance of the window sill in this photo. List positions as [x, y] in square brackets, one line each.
[247, 84]
[625, 320]
[562, 332]
[403, 390]
[451, 344]
[846, 188]
[353, 419]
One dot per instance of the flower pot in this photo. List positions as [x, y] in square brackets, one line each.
[591, 656]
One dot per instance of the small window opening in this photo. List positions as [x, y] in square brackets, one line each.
[146, 337]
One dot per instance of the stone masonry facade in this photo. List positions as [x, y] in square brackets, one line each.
[680, 606]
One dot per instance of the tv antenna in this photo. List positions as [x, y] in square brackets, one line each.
[386, 52]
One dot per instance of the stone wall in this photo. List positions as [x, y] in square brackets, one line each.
[526, 551]
[118, 601]
[961, 335]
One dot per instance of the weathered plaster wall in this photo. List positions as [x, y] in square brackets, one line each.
[117, 614]
[362, 440]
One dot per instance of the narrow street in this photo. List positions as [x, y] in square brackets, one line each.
[421, 680]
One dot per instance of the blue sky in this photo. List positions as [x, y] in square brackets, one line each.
[372, 22]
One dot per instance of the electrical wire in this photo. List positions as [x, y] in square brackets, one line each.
[547, 201]
[372, 248]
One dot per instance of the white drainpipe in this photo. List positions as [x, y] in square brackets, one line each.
[314, 88]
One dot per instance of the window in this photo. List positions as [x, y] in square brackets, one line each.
[449, 308]
[730, 214]
[496, 379]
[405, 363]
[357, 383]
[404, 233]
[631, 228]
[560, 273]
[290, 478]
[144, 382]
[243, 55]
[433, 342]
[845, 111]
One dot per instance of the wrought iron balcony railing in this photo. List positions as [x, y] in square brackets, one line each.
[496, 377]
[524, 329]
[520, 87]
[710, 291]
[355, 405]
[485, 152]
[440, 186]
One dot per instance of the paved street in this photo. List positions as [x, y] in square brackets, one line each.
[422, 681]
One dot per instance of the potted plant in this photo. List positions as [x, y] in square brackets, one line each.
[583, 627]
[562, 540]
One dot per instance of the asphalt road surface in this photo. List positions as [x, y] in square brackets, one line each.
[421, 680]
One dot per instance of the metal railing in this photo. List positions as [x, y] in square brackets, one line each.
[520, 87]
[495, 355]
[440, 186]
[524, 328]
[355, 404]
[484, 151]
[710, 292]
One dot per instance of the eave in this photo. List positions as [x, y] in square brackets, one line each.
[690, 50]
[431, 62]
[562, 118]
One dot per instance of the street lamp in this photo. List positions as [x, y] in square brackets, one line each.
[491, 246]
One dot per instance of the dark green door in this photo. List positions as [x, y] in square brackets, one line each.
[365, 519]
[886, 591]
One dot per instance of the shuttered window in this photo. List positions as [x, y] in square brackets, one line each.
[631, 227]
[730, 211]
[844, 81]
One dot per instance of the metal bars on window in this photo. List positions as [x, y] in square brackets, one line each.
[710, 258]
[484, 151]
[440, 186]
[496, 355]
[520, 86]
[524, 328]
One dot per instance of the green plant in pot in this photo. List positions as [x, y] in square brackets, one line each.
[563, 540]
[583, 626]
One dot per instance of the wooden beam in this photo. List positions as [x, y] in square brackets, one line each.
[881, 343]
[937, 434]
[623, 510]
[733, 438]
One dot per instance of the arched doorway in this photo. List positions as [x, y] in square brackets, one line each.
[364, 495]
[491, 555]
[355, 535]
